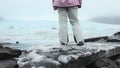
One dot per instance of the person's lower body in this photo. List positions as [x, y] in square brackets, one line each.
[63, 27]
[72, 14]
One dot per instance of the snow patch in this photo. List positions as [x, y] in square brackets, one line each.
[67, 58]
[74, 52]
[64, 58]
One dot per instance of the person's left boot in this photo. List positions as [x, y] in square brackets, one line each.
[63, 44]
[80, 43]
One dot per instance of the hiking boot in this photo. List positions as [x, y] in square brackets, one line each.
[63, 44]
[80, 44]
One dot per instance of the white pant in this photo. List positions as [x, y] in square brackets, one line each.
[72, 14]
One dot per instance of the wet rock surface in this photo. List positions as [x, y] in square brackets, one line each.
[11, 63]
[114, 38]
[8, 53]
[98, 52]
[7, 56]
[103, 63]
[71, 56]
[102, 39]
[117, 34]
[96, 39]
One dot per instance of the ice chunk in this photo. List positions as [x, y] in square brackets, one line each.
[64, 58]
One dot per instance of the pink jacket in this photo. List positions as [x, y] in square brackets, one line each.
[66, 3]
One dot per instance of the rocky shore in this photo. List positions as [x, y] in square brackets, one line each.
[7, 57]
[98, 52]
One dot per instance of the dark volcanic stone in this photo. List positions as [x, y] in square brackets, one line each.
[101, 39]
[115, 57]
[118, 62]
[87, 58]
[112, 40]
[103, 63]
[96, 39]
[7, 53]
[82, 67]
[117, 34]
[11, 63]
[17, 42]
[1, 46]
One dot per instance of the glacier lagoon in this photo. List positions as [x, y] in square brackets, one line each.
[44, 32]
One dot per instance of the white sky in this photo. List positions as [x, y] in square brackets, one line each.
[42, 9]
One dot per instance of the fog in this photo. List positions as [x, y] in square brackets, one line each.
[42, 9]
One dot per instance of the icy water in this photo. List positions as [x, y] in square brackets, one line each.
[30, 33]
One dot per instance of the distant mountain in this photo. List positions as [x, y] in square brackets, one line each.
[107, 20]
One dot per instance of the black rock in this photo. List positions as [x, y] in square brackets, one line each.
[17, 42]
[103, 63]
[97, 39]
[8, 53]
[1, 46]
[118, 62]
[11, 63]
[112, 40]
[115, 57]
[82, 67]
[117, 34]
[101, 39]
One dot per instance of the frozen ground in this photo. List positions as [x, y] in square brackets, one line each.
[51, 56]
